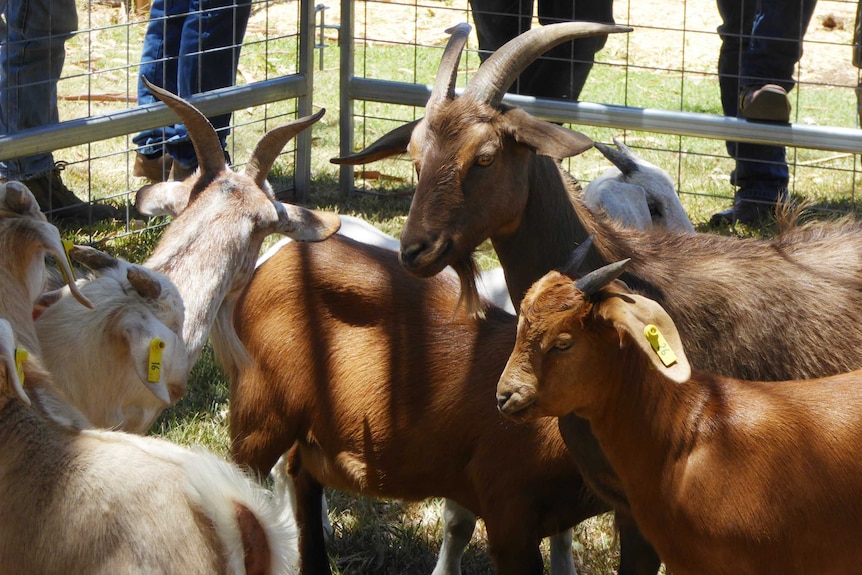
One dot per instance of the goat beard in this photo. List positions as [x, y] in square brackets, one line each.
[468, 271]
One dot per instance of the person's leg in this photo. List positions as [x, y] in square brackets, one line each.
[498, 21]
[209, 52]
[563, 70]
[31, 61]
[749, 60]
[159, 66]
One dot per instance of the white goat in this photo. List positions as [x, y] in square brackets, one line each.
[207, 252]
[635, 192]
[133, 340]
[84, 501]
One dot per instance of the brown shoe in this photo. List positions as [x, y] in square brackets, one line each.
[768, 103]
[156, 169]
[180, 173]
[59, 203]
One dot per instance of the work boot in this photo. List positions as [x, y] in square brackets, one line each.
[155, 169]
[749, 209]
[767, 103]
[59, 203]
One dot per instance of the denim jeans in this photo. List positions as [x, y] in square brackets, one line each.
[32, 50]
[761, 44]
[563, 70]
[190, 47]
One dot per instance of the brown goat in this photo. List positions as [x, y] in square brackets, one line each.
[511, 189]
[723, 475]
[364, 368]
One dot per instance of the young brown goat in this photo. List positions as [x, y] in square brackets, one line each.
[507, 186]
[723, 475]
[384, 392]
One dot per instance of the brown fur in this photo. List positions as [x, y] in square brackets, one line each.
[387, 391]
[723, 475]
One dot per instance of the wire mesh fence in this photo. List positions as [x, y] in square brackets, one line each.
[655, 88]
[99, 112]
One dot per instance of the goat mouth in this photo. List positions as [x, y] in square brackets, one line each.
[428, 262]
[519, 409]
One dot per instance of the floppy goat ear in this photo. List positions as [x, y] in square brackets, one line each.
[651, 329]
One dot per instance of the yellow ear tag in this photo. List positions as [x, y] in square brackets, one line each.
[21, 356]
[67, 245]
[154, 374]
[659, 345]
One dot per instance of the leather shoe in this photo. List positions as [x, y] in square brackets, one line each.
[747, 211]
[154, 169]
[60, 204]
[768, 103]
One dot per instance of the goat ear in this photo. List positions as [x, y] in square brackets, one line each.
[139, 336]
[546, 138]
[631, 315]
[305, 225]
[391, 144]
[163, 199]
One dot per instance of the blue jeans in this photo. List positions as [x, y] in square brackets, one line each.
[32, 51]
[761, 44]
[190, 47]
[563, 70]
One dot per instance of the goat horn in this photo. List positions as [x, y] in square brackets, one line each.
[207, 146]
[270, 146]
[92, 258]
[18, 197]
[595, 280]
[447, 72]
[145, 284]
[501, 69]
[621, 158]
[578, 256]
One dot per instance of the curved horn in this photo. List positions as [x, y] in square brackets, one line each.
[578, 256]
[501, 69]
[207, 146]
[270, 146]
[595, 280]
[92, 258]
[447, 72]
[621, 158]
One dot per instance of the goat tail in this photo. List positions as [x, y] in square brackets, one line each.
[258, 529]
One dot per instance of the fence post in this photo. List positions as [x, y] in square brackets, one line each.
[302, 169]
[345, 120]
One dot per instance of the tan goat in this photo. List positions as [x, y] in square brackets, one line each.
[208, 252]
[93, 502]
[384, 392]
[722, 475]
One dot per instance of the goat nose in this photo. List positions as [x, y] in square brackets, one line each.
[410, 253]
[502, 399]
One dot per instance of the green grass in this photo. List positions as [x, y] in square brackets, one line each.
[390, 536]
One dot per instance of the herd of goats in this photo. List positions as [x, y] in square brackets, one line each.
[356, 364]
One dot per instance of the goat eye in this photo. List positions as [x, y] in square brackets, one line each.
[485, 160]
[564, 342]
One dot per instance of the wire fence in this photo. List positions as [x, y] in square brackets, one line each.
[97, 98]
[656, 88]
